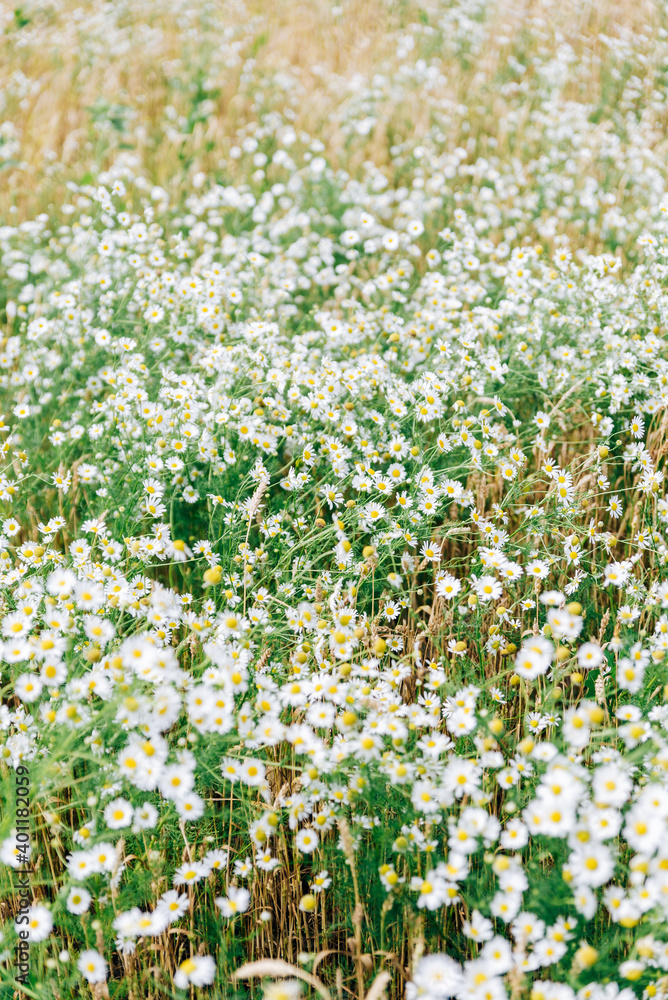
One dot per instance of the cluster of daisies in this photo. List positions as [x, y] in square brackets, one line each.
[333, 547]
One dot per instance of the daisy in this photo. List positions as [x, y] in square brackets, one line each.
[173, 905]
[37, 923]
[306, 841]
[78, 901]
[236, 901]
[200, 970]
[92, 966]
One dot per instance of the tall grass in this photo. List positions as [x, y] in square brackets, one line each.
[333, 376]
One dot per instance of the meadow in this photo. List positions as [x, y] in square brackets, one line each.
[333, 508]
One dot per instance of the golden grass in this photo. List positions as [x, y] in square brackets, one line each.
[72, 57]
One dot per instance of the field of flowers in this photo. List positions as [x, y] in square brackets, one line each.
[333, 510]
